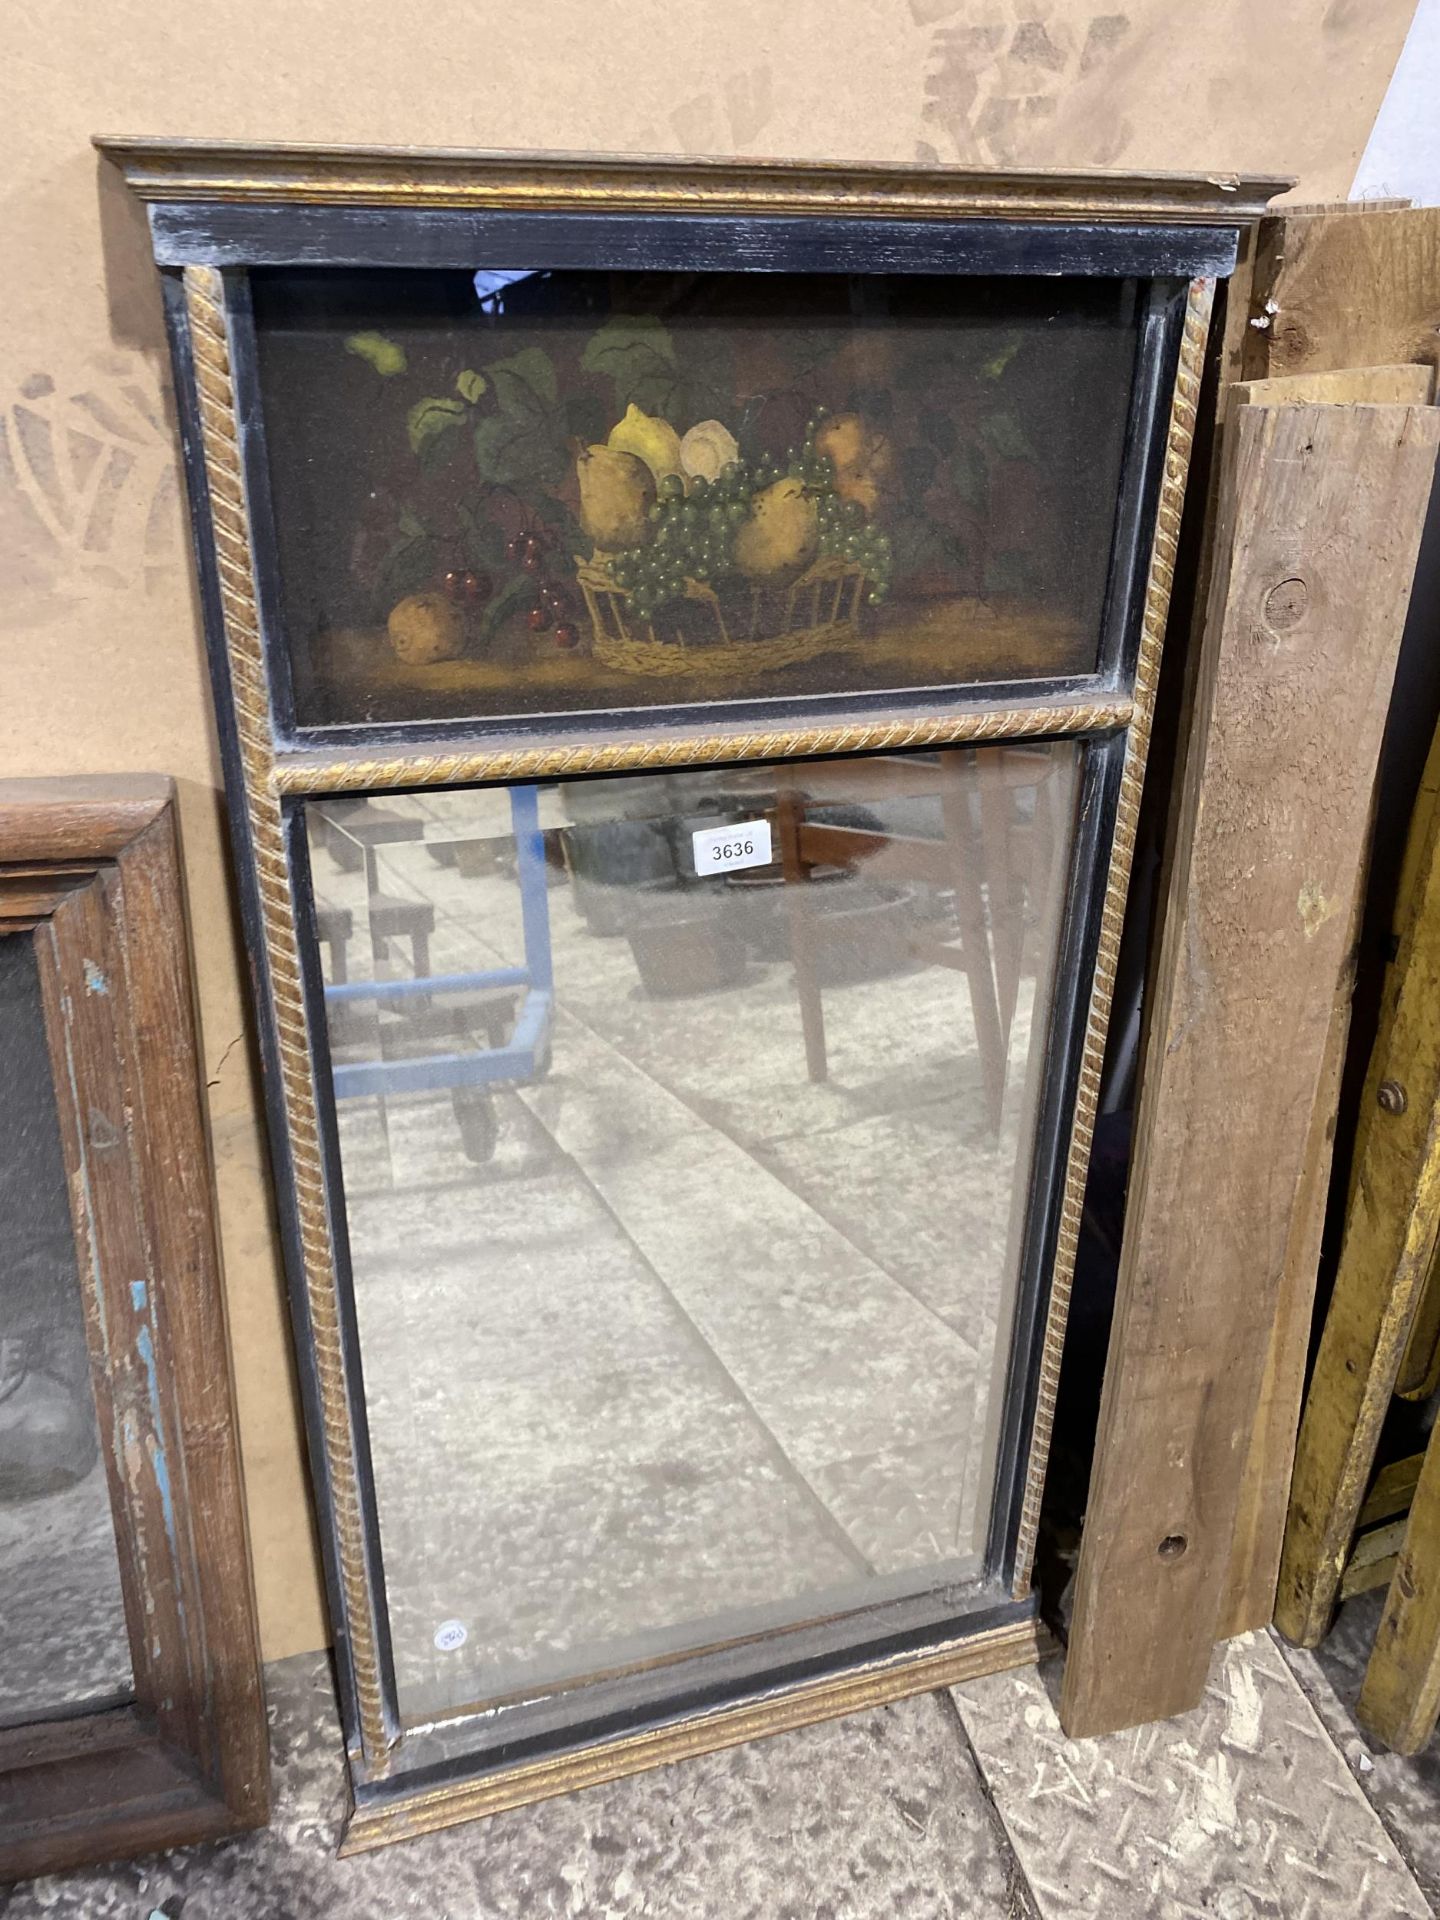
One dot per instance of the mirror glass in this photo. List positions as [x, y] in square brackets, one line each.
[63, 1639]
[686, 1123]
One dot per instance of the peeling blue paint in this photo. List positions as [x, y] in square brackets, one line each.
[145, 1347]
[138, 1295]
[95, 981]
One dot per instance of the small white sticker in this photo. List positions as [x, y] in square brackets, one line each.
[451, 1634]
[728, 849]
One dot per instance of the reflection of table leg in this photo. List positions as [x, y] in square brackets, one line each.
[1003, 892]
[960, 839]
[812, 1013]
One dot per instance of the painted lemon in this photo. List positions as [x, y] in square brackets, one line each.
[650, 439]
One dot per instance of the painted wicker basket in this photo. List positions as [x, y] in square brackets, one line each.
[751, 627]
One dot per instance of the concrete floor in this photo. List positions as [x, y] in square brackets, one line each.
[1266, 1801]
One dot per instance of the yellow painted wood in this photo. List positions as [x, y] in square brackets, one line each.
[1401, 1696]
[1386, 1255]
[1372, 1559]
[1392, 1490]
[1419, 1373]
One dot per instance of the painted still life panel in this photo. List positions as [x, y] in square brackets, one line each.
[559, 492]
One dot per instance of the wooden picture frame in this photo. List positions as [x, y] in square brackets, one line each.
[89, 869]
[217, 213]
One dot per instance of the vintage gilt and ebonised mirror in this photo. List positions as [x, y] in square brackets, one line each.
[685, 639]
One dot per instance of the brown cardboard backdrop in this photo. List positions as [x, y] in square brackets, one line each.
[102, 666]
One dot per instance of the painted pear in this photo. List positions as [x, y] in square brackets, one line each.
[860, 455]
[650, 439]
[617, 491]
[426, 627]
[782, 535]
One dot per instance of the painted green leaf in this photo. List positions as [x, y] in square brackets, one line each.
[521, 588]
[412, 527]
[563, 524]
[997, 363]
[484, 543]
[967, 474]
[511, 447]
[470, 385]
[386, 356]
[1006, 435]
[525, 380]
[637, 353]
[427, 418]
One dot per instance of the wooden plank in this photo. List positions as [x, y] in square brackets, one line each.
[113, 954]
[1320, 517]
[1259, 1537]
[1401, 386]
[1419, 1373]
[1391, 1491]
[1400, 1698]
[1385, 1257]
[1373, 1559]
[1332, 291]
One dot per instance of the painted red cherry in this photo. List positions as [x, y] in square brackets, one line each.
[567, 637]
[454, 583]
[538, 618]
[532, 560]
[478, 588]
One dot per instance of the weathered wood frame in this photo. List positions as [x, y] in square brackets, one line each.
[216, 210]
[89, 869]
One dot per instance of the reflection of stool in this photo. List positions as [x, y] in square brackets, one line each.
[354, 828]
[333, 928]
[412, 920]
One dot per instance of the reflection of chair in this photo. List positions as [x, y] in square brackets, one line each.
[446, 1007]
[989, 867]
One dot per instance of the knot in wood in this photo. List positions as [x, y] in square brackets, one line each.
[1286, 604]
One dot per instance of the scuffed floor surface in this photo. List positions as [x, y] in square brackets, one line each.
[1263, 1804]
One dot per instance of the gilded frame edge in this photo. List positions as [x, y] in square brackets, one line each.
[200, 171]
[1017, 1643]
[270, 777]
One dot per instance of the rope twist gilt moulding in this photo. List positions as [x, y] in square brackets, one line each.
[230, 523]
[239, 233]
[1178, 443]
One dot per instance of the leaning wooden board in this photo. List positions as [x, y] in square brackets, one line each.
[1332, 310]
[1319, 523]
[1385, 1258]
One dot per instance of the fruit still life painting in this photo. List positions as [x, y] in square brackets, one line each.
[581, 491]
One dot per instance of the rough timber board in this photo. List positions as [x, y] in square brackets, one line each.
[1385, 1258]
[1334, 292]
[1320, 514]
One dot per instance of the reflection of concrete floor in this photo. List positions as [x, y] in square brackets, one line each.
[62, 1621]
[705, 1345]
